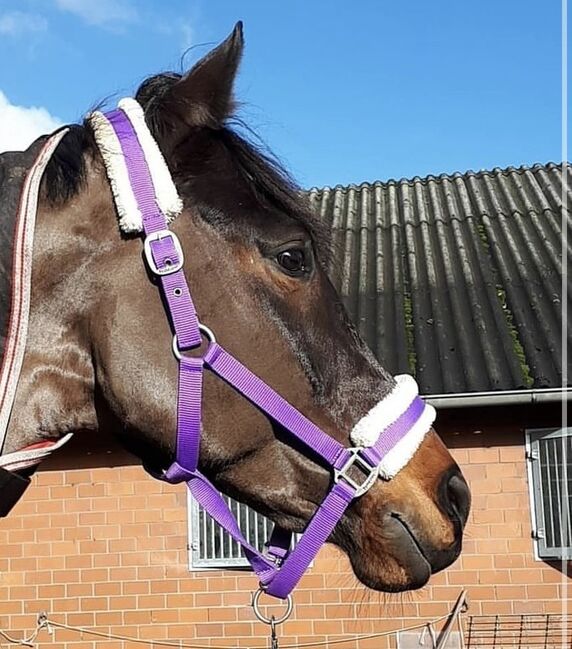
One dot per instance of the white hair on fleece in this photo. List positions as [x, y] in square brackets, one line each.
[130, 218]
[383, 414]
[166, 196]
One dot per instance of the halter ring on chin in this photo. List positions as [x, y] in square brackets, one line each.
[205, 331]
[271, 620]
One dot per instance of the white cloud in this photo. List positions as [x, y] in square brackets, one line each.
[102, 13]
[181, 33]
[20, 125]
[15, 23]
[188, 35]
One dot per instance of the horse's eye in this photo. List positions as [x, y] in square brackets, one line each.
[294, 261]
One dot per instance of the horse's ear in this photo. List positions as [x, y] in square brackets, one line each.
[204, 96]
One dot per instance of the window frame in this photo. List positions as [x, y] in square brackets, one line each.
[195, 520]
[533, 438]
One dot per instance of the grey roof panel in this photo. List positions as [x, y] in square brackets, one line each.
[456, 279]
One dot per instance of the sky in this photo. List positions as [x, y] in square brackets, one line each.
[342, 92]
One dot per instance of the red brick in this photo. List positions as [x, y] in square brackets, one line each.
[512, 453]
[496, 608]
[476, 562]
[107, 588]
[520, 545]
[152, 601]
[165, 616]
[209, 630]
[79, 590]
[81, 619]
[509, 561]
[135, 587]
[484, 455]
[492, 546]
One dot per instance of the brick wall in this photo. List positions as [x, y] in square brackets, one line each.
[105, 546]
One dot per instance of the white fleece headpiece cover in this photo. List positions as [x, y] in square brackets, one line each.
[168, 200]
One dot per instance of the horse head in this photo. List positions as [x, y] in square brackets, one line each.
[98, 348]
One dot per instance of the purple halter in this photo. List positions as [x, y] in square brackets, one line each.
[280, 568]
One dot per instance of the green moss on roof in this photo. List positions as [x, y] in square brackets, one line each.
[409, 333]
[517, 345]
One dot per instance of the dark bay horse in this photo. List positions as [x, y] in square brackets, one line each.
[97, 351]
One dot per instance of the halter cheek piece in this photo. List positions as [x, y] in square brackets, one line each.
[384, 440]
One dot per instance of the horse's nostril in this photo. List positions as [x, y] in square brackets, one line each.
[456, 497]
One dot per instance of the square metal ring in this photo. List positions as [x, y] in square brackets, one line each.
[371, 472]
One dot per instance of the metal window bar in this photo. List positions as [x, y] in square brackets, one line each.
[549, 453]
[212, 547]
[527, 631]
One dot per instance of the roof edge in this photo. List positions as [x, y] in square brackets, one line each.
[505, 398]
[495, 171]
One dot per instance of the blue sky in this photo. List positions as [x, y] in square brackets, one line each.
[341, 91]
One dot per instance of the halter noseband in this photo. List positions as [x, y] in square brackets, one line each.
[385, 439]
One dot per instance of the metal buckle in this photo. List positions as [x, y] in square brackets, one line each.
[372, 472]
[159, 236]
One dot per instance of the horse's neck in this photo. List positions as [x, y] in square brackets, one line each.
[55, 383]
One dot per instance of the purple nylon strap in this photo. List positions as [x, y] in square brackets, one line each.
[282, 568]
[263, 396]
[278, 545]
[189, 402]
[294, 563]
[317, 532]
[394, 433]
[165, 255]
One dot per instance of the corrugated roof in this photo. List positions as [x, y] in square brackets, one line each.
[456, 279]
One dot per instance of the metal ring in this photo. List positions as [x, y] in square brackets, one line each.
[271, 620]
[205, 331]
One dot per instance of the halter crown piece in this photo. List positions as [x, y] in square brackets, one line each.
[385, 439]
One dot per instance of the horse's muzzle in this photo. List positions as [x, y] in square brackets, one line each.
[454, 499]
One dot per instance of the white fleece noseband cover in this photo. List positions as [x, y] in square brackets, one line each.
[386, 412]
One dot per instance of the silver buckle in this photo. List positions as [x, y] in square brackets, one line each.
[372, 472]
[158, 236]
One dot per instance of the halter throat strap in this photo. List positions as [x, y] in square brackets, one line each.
[385, 439]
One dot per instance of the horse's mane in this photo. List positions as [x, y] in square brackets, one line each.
[270, 183]
[65, 174]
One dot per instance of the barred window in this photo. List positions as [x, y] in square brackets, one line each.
[212, 547]
[549, 458]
